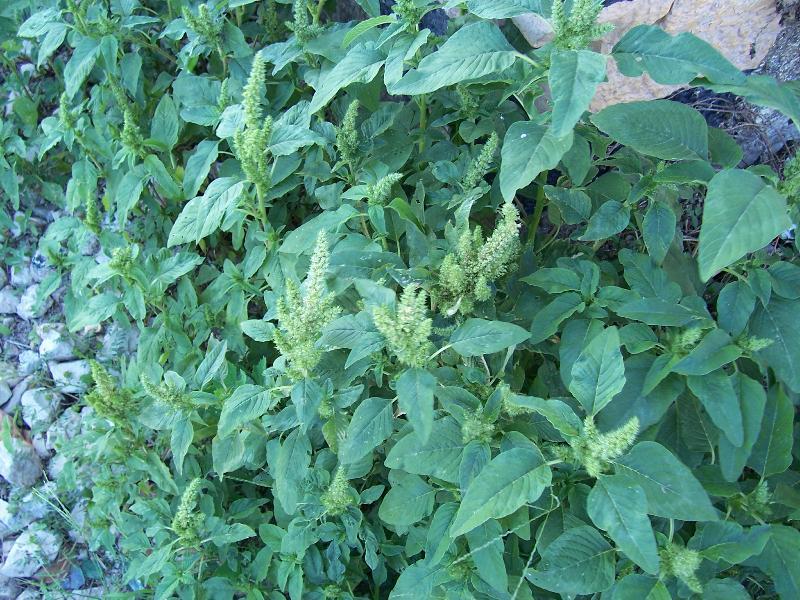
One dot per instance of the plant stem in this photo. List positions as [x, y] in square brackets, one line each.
[422, 102]
[541, 201]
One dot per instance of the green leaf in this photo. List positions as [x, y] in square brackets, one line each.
[528, 150]
[640, 587]
[80, 64]
[599, 372]
[203, 215]
[655, 311]
[180, 440]
[778, 321]
[620, 509]
[575, 206]
[198, 165]
[291, 466]
[510, 480]
[546, 322]
[574, 76]
[610, 219]
[772, 452]
[554, 280]
[227, 454]
[672, 60]
[779, 560]
[740, 215]
[471, 52]
[478, 336]
[231, 534]
[735, 304]
[96, 310]
[658, 230]
[365, 26]
[248, 402]
[558, 413]
[439, 456]
[212, 363]
[361, 64]
[371, 424]
[580, 561]
[415, 581]
[408, 501]
[752, 400]
[486, 551]
[258, 329]
[165, 124]
[714, 351]
[671, 489]
[415, 396]
[505, 9]
[660, 128]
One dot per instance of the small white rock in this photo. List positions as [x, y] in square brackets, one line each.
[54, 345]
[27, 308]
[29, 362]
[16, 394]
[8, 301]
[5, 393]
[19, 464]
[21, 276]
[68, 376]
[66, 427]
[40, 407]
[34, 548]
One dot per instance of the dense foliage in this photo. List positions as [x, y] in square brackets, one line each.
[411, 323]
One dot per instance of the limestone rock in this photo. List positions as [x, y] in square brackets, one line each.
[70, 377]
[34, 548]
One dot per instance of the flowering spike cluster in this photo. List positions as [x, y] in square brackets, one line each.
[121, 260]
[407, 330]
[204, 24]
[105, 398]
[682, 563]
[409, 12]
[272, 24]
[303, 29]
[132, 137]
[301, 318]
[477, 427]
[480, 164]
[251, 143]
[187, 522]
[751, 345]
[469, 102]
[65, 114]
[337, 497]
[685, 340]
[378, 193]
[580, 28]
[466, 274]
[166, 393]
[92, 218]
[347, 135]
[595, 449]
[790, 185]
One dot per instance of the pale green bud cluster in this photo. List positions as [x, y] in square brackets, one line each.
[132, 137]
[594, 449]
[106, 398]
[683, 341]
[466, 274]
[790, 185]
[338, 497]
[325, 409]
[347, 137]
[460, 570]
[65, 114]
[480, 164]
[271, 22]
[121, 260]
[406, 330]
[682, 563]
[225, 98]
[301, 318]
[757, 503]
[580, 28]
[304, 29]
[378, 193]
[251, 143]
[187, 522]
[469, 102]
[166, 393]
[408, 12]
[511, 409]
[751, 345]
[476, 426]
[204, 24]
[92, 217]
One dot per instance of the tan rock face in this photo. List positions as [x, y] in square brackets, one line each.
[743, 30]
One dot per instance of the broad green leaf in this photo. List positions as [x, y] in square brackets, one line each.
[573, 205]
[303, 238]
[96, 310]
[558, 413]
[765, 91]
[165, 124]
[658, 230]
[439, 456]
[291, 466]
[80, 64]
[248, 402]
[598, 374]
[655, 311]
[361, 64]
[258, 329]
[735, 304]
[574, 76]
[478, 336]
[408, 501]
[198, 165]
[371, 424]
[741, 214]
[510, 480]
[470, 53]
[672, 490]
[752, 400]
[580, 561]
[670, 59]
[227, 454]
[179, 442]
[620, 509]
[505, 9]
[772, 452]
[609, 220]
[486, 551]
[365, 26]
[785, 278]
[779, 560]
[546, 322]
[554, 280]
[660, 128]
[640, 587]
[528, 150]
[203, 215]
[306, 396]
[778, 322]
[415, 581]
[211, 364]
[728, 541]
[415, 396]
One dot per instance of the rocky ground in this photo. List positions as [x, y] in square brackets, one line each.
[43, 369]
